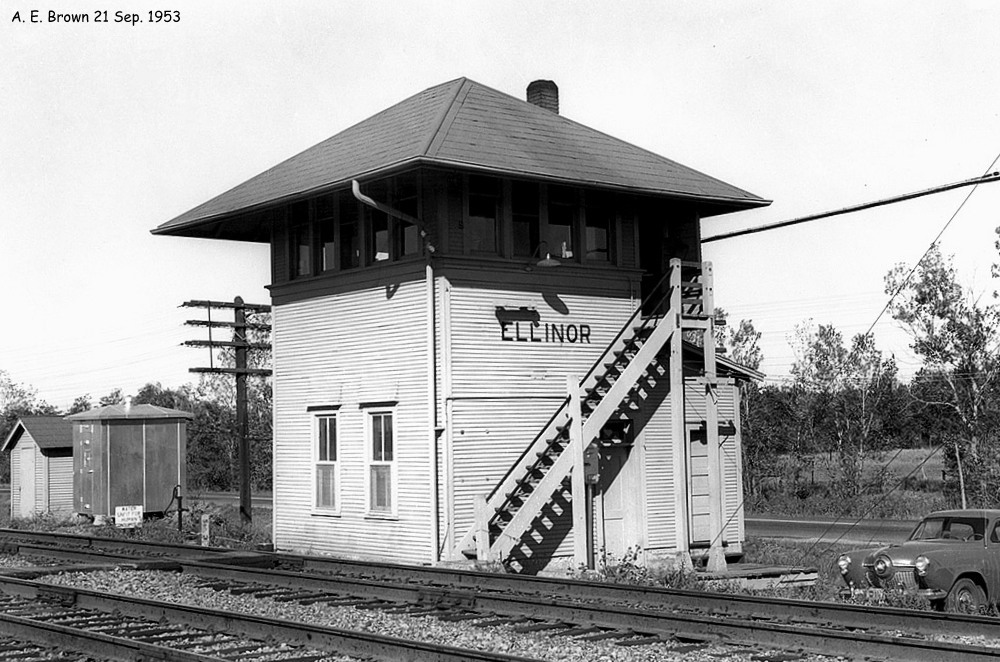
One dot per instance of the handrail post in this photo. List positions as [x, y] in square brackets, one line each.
[581, 534]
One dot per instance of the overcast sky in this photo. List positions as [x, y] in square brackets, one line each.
[110, 129]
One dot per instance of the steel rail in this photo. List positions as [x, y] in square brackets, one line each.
[93, 643]
[730, 604]
[809, 633]
[423, 584]
[334, 640]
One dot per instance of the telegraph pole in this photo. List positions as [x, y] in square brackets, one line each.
[240, 345]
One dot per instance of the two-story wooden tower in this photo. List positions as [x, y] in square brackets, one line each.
[504, 318]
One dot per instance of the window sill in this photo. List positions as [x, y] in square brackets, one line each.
[382, 516]
[324, 513]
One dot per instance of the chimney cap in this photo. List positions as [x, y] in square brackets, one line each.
[544, 94]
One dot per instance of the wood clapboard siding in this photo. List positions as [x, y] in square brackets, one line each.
[349, 349]
[487, 437]
[15, 483]
[504, 391]
[483, 365]
[41, 481]
[653, 431]
[61, 484]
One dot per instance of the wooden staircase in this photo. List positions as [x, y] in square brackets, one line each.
[648, 348]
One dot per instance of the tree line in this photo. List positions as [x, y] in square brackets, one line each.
[844, 399]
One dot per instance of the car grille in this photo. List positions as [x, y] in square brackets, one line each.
[904, 579]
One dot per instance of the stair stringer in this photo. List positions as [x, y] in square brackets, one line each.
[520, 523]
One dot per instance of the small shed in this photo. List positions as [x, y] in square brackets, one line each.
[41, 466]
[127, 456]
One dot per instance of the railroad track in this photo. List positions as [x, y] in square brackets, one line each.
[129, 628]
[681, 617]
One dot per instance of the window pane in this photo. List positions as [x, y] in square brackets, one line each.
[326, 486]
[350, 246]
[600, 222]
[300, 240]
[327, 439]
[559, 232]
[524, 206]
[484, 205]
[325, 206]
[378, 237]
[407, 237]
[387, 437]
[376, 439]
[381, 486]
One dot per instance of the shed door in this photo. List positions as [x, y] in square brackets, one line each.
[83, 463]
[27, 485]
[699, 495]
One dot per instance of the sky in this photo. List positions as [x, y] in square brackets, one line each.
[111, 128]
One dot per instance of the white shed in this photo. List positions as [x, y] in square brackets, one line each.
[41, 466]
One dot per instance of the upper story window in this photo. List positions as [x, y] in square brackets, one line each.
[406, 237]
[559, 231]
[482, 222]
[524, 218]
[326, 217]
[599, 227]
[300, 235]
[349, 233]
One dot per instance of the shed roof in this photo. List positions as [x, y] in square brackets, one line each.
[463, 124]
[47, 431]
[134, 412]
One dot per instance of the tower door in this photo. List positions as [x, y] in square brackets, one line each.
[617, 516]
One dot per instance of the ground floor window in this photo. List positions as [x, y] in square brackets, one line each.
[327, 468]
[381, 463]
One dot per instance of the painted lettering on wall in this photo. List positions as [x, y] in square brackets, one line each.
[526, 325]
[544, 332]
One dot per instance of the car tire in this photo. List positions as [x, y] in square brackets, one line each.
[965, 597]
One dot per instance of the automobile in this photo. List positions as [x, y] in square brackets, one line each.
[952, 559]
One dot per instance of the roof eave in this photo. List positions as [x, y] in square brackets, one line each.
[725, 204]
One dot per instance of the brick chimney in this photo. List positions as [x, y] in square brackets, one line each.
[544, 94]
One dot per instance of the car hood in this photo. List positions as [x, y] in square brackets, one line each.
[905, 553]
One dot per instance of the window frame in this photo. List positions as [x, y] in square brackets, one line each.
[370, 462]
[318, 508]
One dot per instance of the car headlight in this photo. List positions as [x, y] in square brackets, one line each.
[883, 567]
[844, 563]
[921, 563]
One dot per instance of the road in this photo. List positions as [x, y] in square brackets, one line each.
[829, 530]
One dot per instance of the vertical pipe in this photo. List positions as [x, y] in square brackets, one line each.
[432, 445]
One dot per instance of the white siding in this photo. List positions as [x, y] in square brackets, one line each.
[654, 432]
[503, 391]
[15, 482]
[61, 485]
[41, 481]
[346, 350]
[485, 365]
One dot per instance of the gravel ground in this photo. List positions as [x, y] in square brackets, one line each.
[184, 589]
[16, 561]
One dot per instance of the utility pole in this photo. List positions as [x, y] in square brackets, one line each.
[240, 344]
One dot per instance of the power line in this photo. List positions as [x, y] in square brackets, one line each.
[974, 182]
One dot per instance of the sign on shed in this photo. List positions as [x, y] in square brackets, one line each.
[128, 517]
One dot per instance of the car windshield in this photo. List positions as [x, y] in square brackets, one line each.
[950, 528]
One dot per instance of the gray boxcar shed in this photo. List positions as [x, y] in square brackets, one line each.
[127, 456]
[41, 466]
